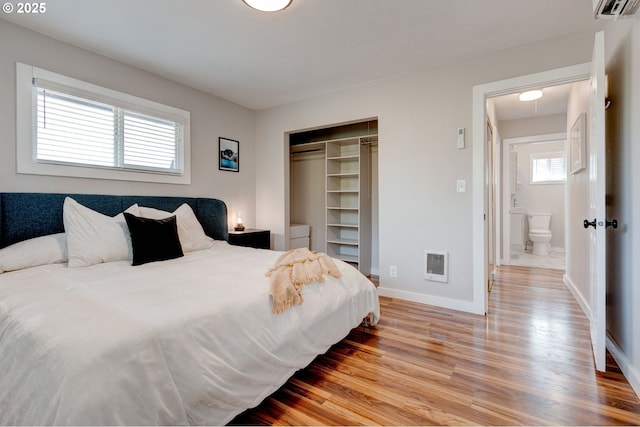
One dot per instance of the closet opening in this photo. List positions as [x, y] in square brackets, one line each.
[333, 191]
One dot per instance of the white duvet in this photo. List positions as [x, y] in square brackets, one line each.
[186, 341]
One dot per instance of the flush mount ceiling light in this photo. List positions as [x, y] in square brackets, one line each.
[530, 95]
[268, 5]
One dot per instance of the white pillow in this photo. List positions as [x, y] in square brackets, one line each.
[94, 238]
[190, 232]
[50, 249]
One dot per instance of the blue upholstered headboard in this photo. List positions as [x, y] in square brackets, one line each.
[27, 215]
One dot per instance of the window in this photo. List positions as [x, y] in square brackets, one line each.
[547, 168]
[72, 128]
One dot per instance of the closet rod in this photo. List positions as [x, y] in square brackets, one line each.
[309, 144]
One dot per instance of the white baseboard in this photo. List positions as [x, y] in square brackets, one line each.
[453, 304]
[582, 302]
[631, 373]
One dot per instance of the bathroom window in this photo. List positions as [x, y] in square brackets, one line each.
[548, 168]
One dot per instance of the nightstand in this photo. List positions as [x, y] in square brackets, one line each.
[251, 237]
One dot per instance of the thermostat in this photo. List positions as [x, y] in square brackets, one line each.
[460, 137]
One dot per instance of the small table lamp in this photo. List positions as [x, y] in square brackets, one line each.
[239, 225]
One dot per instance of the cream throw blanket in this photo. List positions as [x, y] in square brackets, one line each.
[293, 269]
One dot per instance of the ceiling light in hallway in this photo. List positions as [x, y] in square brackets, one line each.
[531, 95]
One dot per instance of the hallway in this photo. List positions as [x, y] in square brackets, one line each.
[555, 259]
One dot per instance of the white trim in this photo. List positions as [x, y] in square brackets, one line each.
[629, 371]
[480, 95]
[582, 302]
[24, 130]
[452, 304]
[547, 137]
[626, 366]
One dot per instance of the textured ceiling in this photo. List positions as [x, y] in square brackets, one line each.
[312, 48]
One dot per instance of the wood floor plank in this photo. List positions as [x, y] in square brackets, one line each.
[529, 361]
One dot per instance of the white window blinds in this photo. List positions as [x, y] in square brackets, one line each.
[83, 129]
[548, 167]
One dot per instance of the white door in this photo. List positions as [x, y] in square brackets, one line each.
[596, 223]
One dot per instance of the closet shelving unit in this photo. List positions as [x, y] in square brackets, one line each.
[348, 201]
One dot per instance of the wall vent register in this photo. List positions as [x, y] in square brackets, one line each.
[436, 266]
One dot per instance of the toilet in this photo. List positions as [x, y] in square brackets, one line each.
[539, 232]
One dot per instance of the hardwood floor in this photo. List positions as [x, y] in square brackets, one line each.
[528, 362]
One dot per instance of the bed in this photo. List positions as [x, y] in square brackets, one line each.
[188, 340]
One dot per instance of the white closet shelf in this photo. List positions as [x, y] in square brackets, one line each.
[347, 202]
[344, 174]
[347, 258]
[349, 242]
[347, 157]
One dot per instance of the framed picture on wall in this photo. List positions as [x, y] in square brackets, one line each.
[228, 155]
[578, 144]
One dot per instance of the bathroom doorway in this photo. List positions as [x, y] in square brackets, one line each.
[534, 181]
[533, 167]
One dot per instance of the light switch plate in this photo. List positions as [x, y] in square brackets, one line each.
[461, 186]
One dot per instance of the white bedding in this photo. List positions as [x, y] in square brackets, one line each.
[186, 341]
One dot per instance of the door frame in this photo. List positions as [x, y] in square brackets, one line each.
[490, 169]
[479, 209]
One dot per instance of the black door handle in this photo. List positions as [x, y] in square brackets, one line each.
[613, 223]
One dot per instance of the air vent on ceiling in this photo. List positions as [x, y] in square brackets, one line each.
[613, 9]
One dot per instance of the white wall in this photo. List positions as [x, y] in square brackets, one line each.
[307, 182]
[577, 206]
[211, 117]
[628, 285]
[623, 195]
[553, 123]
[419, 163]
